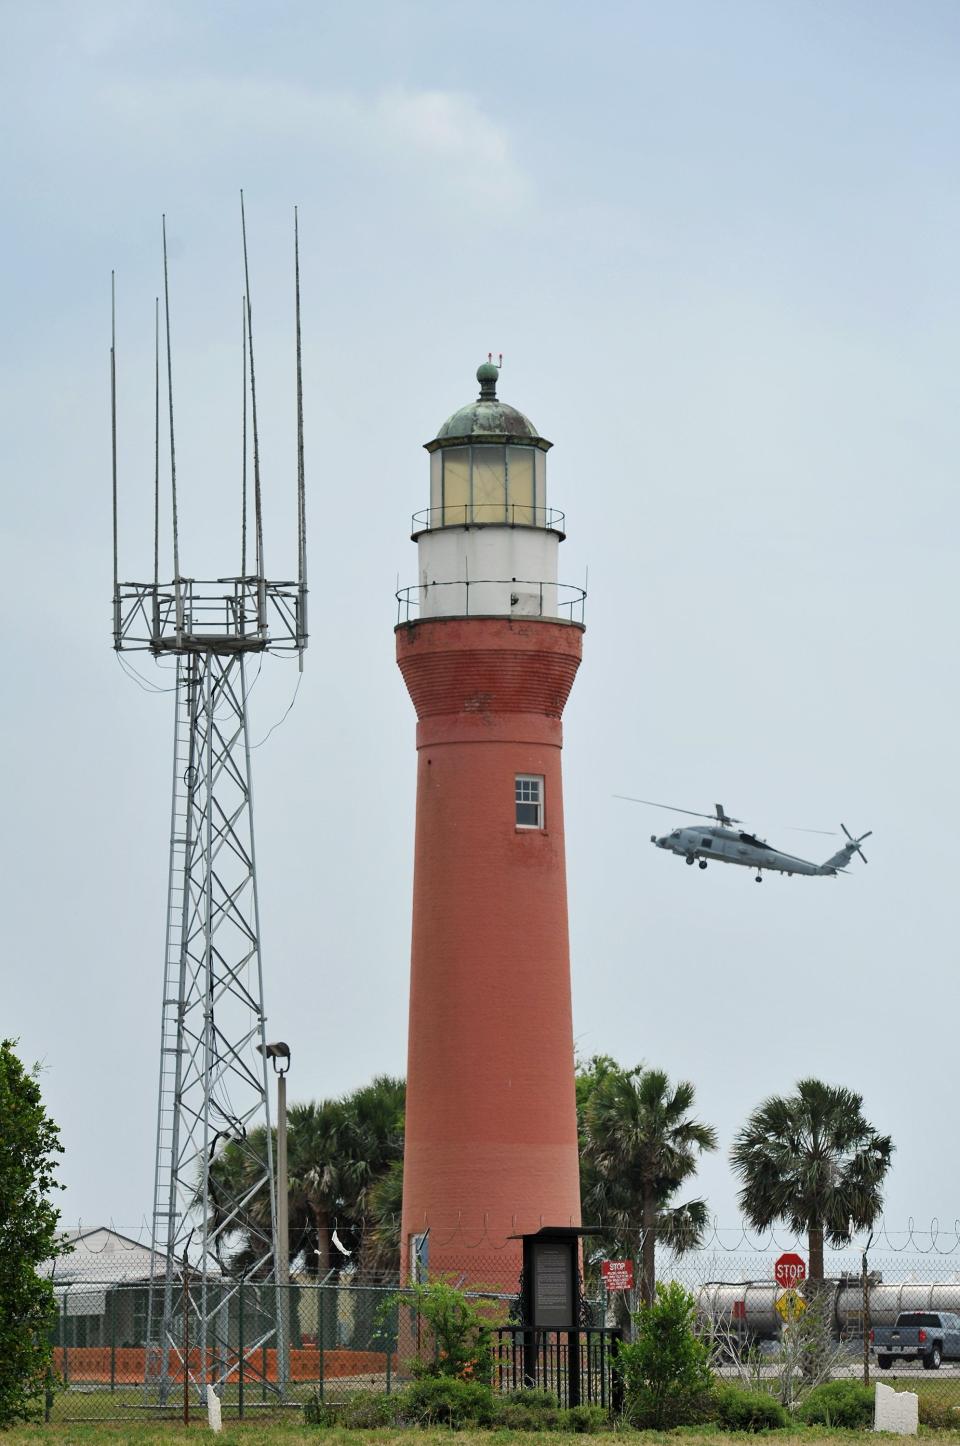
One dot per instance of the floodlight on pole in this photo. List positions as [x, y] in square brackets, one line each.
[275, 1052]
[278, 1054]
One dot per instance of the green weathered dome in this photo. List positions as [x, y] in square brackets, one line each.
[487, 419]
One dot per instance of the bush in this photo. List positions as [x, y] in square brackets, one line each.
[512, 1416]
[458, 1340]
[938, 1415]
[739, 1410]
[838, 1403]
[666, 1375]
[446, 1401]
[585, 1419]
[363, 1411]
[536, 1400]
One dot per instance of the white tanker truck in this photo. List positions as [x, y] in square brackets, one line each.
[750, 1306]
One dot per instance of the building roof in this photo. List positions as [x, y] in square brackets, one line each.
[102, 1254]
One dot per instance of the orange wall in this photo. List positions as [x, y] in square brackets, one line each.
[92, 1363]
[491, 1139]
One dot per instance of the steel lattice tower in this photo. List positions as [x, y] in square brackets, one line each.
[213, 1070]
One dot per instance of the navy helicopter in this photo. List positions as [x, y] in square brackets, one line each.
[722, 841]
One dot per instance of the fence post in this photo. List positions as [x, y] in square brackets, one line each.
[186, 1343]
[866, 1314]
[63, 1339]
[320, 1290]
[113, 1340]
[389, 1352]
[240, 1350]
[616, 1375]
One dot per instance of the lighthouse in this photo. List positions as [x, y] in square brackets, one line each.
[489, 643]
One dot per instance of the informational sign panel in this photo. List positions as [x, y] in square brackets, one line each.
[553, 1267]
[790, 1270]
[617, 1274]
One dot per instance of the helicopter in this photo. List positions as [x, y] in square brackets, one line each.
[721, 840]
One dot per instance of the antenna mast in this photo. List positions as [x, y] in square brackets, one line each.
[214, 1152]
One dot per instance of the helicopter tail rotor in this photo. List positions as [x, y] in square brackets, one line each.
[854, 843]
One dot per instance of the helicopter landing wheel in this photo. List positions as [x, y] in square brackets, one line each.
[703, 863]
[690, 859]
[759, 878]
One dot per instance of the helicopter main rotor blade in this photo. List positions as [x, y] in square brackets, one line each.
[827, 832]
[671, 808]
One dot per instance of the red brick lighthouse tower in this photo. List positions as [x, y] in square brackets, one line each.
[489, 651]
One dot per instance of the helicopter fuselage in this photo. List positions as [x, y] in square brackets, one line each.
[729, 846]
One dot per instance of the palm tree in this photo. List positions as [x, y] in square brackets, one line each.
[337, 1152]
[639, 1145]
[813, 1161]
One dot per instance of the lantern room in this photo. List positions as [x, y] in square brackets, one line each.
[487, 465]
[488, 541]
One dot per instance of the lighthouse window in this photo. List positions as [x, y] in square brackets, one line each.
[489, 484]
[520, 486]
[456, 486]
[529, 796]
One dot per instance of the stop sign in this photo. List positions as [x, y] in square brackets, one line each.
[790, 1270]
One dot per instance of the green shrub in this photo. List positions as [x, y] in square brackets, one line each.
[362, 1411]
[536, 1400]
[512, 1416]
[938, 1415]
[458, 1329]
[739, 1410]
[585, 1419]
[838, 1403]
[446, 1401]
[666, 1375]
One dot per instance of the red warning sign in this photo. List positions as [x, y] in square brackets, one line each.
[617, 1274]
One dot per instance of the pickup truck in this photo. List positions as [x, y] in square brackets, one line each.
[919, 1335]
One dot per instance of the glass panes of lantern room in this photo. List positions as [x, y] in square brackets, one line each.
[484, 484]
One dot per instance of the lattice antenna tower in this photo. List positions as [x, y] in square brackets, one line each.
[213, 1077]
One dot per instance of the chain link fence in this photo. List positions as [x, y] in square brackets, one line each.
[344, 1334]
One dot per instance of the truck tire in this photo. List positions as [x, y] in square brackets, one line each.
[884, 1362]
[932, 1361]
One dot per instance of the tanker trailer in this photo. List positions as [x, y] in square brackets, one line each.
[749, 1306]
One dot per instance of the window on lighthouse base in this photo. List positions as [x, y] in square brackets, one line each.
[529, 796]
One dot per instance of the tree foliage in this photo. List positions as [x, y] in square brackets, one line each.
[29, 1145]
[639, 1143]
[340, 1153]
[812, 1159]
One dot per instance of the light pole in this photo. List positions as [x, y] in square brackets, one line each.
[279, 1056]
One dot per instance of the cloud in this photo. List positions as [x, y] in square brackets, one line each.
[442, 137]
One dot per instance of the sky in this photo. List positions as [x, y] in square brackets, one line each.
[716, 244]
